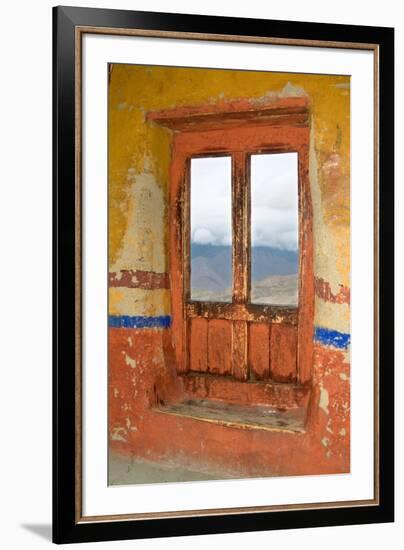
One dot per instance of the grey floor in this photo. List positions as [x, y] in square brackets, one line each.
[127, 471]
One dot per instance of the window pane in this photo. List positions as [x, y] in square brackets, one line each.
[211, 252]
[274, 229]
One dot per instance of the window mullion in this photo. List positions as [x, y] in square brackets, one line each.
[241, 228]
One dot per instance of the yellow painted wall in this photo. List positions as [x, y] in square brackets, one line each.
[139, 159]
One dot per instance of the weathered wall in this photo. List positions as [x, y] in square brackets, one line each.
[141, 362]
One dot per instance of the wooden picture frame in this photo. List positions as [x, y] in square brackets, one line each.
[70, 24]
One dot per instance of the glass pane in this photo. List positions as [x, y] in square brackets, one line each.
[211, 252]
[274, 229]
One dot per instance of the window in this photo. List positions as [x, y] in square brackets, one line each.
[273, 228]
[241, 245]
[211, 229]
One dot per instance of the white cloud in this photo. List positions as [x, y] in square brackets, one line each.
[202, 235]
[211, 200]
[274, 200]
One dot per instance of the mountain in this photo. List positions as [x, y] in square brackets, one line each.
[275, 290]
[211, 265]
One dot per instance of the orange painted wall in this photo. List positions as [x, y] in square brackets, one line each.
[137, 430]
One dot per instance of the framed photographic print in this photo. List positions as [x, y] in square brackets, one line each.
[223, 274]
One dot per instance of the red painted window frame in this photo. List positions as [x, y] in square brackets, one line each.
[239, 129]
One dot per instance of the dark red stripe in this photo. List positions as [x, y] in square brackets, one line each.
[323, 290]
[148, 280]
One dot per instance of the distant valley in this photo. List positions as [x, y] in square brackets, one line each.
[274, 278]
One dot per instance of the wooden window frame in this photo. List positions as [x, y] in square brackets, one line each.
[238, 130]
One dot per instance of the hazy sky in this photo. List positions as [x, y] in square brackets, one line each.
[274, 206]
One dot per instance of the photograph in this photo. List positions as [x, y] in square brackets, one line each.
[229, 274]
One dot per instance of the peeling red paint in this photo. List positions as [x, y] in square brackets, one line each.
[279, 396]
[230, 111]
[323, 291]
[332, 375]
[142, 374]
[147, 280]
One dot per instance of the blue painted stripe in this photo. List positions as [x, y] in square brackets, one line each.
[325, 336]
[329, 337]
[129, 321]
